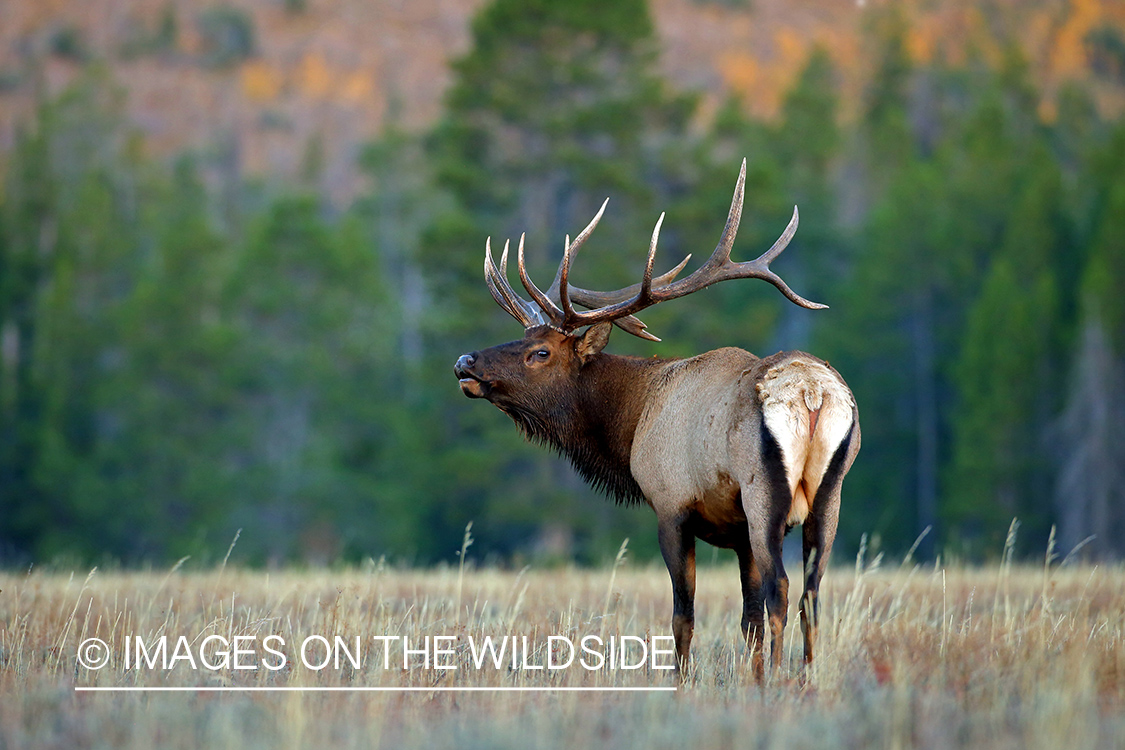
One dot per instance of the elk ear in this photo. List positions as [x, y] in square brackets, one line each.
[592, 341]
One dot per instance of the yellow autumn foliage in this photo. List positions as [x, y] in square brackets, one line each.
[260, 81]
[314, 77]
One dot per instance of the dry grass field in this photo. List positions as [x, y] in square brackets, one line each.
[910, 657]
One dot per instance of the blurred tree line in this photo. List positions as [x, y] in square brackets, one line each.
[180, 359]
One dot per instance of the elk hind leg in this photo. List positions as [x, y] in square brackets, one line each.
[766, 511]
[810, 608]
[752, 614]
[818, 534]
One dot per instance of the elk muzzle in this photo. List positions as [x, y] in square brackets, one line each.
[471, 385]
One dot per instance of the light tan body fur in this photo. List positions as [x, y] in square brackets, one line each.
[698, 437]
[700, 458]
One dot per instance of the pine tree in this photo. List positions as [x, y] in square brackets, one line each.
[886, 337]
[306, 306]
[554, 107]
[1088, 496]
[69, 248]
[164, 460]
[1006, 369]
[886, 121]
[26, 238]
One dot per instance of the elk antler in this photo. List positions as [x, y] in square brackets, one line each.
[619, 306]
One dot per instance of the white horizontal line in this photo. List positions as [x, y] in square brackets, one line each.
[412, 689]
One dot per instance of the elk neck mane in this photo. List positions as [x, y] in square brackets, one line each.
[593, 424]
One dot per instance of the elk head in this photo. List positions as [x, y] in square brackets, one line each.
[534, 377]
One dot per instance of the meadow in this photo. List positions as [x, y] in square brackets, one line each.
[910, 656]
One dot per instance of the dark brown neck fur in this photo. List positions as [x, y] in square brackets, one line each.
[595, 423]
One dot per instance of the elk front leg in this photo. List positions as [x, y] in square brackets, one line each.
[752, 615]
[677, 545]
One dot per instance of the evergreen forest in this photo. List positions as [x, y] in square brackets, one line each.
[184, 355]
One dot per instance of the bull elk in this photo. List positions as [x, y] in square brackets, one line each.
[726, 447]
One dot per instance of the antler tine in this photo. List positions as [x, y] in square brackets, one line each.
[721, 256]
[734, 216]
[566, 294]
[761, 265]
[719, 267]
[550, 310]
[646, 280]
[553, 289]
[592, 299]
[572, 249]
[559, 286]
[669, 276]
[781, 242]
[502, 291]
[643, 298]
[563, 275]
[489, 279]
[634, 325]
[631, 323]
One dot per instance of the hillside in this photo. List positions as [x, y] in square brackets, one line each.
[272, 86]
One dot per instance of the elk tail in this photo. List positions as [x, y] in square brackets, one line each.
[808, 411]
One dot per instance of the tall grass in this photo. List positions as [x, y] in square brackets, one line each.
[1008, 656]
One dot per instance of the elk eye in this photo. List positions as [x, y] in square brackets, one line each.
[541, 355]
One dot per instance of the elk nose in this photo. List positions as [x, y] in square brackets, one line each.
[464, 362]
